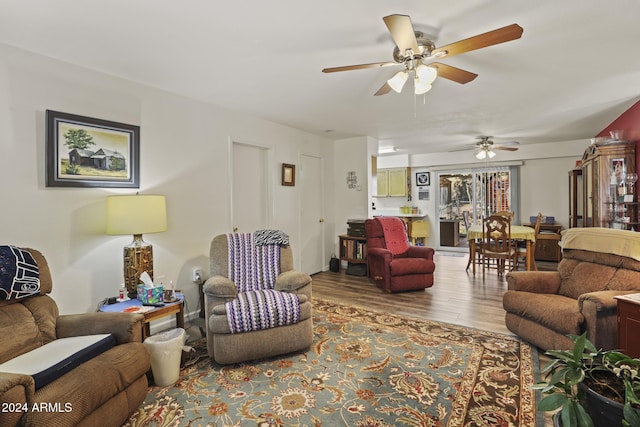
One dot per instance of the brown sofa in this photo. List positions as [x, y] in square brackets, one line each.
[543, 307]
[226, 347]
[102, 391]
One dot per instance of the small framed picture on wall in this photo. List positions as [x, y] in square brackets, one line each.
[288, 174]
[423, 179]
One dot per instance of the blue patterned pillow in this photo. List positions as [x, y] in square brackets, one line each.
[19, 274]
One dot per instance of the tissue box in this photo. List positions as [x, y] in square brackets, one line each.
[543, 220]
[150, 295]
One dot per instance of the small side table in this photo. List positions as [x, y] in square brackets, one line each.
[150, 313]
[629, 324]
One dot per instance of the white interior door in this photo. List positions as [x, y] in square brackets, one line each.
[311, 214]
[249, 188]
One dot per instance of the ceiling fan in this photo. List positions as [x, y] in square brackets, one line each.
[414, 51]
[485, 147]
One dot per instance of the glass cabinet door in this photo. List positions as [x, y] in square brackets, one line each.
[587, 180]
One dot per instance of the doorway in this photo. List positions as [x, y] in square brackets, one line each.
[311, 215]
[250, 197]
[466, 196]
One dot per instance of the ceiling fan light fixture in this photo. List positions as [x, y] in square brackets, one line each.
[426, 74]
[483, 153]
[397, 81]
[421, 88]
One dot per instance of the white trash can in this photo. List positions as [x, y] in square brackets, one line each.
[166, 350]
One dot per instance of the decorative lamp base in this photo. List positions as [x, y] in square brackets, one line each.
[138, 258]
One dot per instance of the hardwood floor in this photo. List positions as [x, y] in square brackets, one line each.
[456, 297]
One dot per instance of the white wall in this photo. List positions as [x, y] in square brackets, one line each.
[350, 154]
[184, 155]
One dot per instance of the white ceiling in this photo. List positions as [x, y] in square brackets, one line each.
[575, 69]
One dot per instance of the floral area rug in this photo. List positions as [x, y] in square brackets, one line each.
[365, 369]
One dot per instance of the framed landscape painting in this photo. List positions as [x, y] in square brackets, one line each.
[89, 152]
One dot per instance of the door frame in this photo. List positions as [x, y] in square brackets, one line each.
[269, 178]
[322, 213]
[473, 169]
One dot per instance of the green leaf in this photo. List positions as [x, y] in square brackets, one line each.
[578, 348]
[568, 416]
[552, 402]
[565, 356]
[631, 415]
[629, 393]
[583, 418]
[574, 376]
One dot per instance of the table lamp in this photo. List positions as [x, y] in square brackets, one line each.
[136, 215]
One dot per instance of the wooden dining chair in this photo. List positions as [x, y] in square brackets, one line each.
[497, 244]
[522, 245]
[507, 214]
[477, 242]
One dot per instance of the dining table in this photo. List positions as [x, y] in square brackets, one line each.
[518, 232]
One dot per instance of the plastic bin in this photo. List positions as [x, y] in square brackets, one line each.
[166, 350]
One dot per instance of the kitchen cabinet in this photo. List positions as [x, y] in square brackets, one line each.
[392, 182]
[383, 183]
[607, 199]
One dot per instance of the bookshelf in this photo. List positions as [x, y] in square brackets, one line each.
[353, 249]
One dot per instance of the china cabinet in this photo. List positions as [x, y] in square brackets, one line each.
[608, 186]
[575, 198]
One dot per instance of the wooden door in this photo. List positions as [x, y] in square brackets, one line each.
[249, 188]
[311, 215]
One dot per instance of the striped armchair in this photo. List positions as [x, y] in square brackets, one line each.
[256, 304]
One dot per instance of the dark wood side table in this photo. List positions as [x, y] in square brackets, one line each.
[449, 232]
[150, 313]
[629, 324]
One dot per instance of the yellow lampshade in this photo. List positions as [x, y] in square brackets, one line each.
[136, 214]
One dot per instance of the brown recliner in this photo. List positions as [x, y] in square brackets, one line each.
[226, 346]
[102, 391]
[598, 264]
[399, 268]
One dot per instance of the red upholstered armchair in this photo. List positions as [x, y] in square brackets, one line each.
[394, 265]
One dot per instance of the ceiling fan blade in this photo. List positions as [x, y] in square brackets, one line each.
[467, 148]
[402, 32]
[359, 67]
[383, 90]
[501, 35]
[501, 147]
[457, 75]
[509, 143]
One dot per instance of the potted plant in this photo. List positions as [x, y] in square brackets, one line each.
[591, 387]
